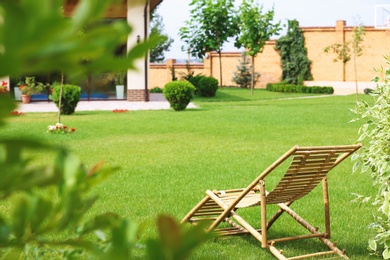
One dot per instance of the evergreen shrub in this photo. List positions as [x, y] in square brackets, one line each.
[290, 88]
[156, 90]
[195, 81]
[208, 86]
[71, 95]
[179, 93]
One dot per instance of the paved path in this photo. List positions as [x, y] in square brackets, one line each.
[97, 105]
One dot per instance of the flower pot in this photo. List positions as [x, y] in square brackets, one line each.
[26, 99]
[18, 94]
[120, 90]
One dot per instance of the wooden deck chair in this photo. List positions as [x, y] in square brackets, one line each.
[309, 166]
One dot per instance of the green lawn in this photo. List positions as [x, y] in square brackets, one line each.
[168, 159]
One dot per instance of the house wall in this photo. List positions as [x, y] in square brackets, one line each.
[136, 78]
[376, 44]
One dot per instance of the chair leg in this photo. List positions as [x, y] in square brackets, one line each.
[312, 229]
[263, 206]
[326, 206]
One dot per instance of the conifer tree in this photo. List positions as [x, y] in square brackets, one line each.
[243, 76]
[295, 63]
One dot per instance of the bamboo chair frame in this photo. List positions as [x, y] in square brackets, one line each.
[309, 167]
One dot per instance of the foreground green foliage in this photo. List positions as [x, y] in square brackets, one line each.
[375, 159]
[30, 51]
[45, 206]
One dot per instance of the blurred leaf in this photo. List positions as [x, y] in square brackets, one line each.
[106, 220]
[38, 39]
[6, 106]
[169, 231]
[20, 218]
[124, 238]
[175, 241]
[4, 231]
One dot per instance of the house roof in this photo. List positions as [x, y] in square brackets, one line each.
[116, 11]
[154, 3]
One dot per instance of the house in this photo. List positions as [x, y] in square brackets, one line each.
[137, 13]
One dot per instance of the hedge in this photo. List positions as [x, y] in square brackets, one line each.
[290, 88]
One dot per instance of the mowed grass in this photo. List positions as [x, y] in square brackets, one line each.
[169, 159]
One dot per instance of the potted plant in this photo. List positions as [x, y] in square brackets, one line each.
[4, 87]
[29, 87]
[120, 84]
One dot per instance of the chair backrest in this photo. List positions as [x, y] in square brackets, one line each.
[308, 167]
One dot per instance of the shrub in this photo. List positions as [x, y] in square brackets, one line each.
[290, 88]
[374, 159]
[195, 81]
[156, 90]
[179, 93]
[208, 86]
[70, 97]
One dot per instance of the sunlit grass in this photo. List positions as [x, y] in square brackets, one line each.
[168, 159]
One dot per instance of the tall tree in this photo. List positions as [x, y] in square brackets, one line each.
[256, 28]
[212, 22]
[164, 44]
[293, 53]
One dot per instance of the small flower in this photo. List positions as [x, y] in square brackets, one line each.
[4, 87]
[120, 110]
[16, 113]
[59, 129]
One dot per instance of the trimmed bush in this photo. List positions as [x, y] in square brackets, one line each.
[290, 88]
[179, 93]
[156, 90]
[208, 86]
[195, 81]
[70, 97]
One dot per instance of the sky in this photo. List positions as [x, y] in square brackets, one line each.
[307, 12]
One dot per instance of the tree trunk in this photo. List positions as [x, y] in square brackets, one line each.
[356, 81]
[60, 99]
[220, 67]
[253, 74]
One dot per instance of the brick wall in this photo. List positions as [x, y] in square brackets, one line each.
[137, 95]
[376, 44]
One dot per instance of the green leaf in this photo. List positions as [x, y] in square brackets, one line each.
[107, 220]
[5, 231]
[386, 253]
[372, 245]
[169, 232]
[20, 218]
[6, 106]
[124, 237]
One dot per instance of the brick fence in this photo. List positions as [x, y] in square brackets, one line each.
[376, 44]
